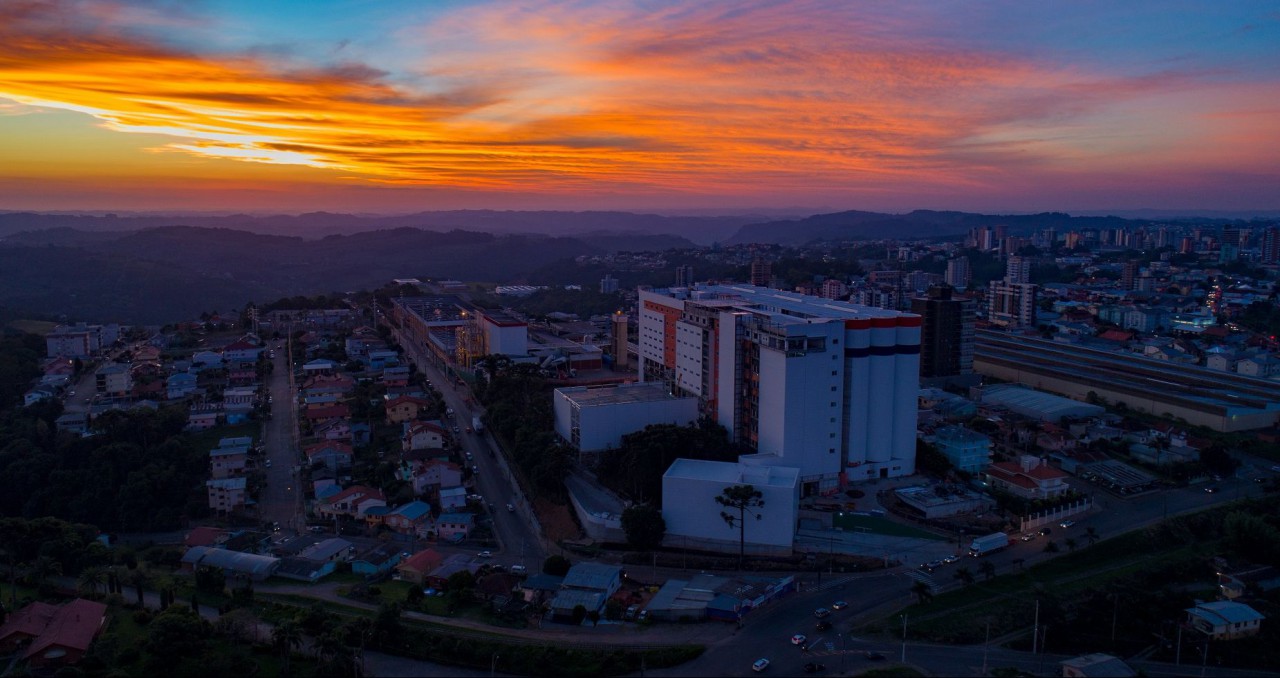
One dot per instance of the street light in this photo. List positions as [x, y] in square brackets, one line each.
[493, 664]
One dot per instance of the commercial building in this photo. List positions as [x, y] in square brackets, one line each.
[1029, 477]
[967, 450]
[1011, 304]
[592, 419]
[946, 333]
[826, 387]
[1223, 401]
[689, 491]
[958, 274]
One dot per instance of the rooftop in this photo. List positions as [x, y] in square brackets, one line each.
[731, 472]
[596, 396]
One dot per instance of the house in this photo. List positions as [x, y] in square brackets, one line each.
[202, 418]
[706, 596]
[331, 454]
[51, 636]
[319, 366]
[353, 501]
[226, 494]
[242, 351]
[204, 536]
[405, 408]
[430, 474]
[967, 450]
[114, 380]
[336, 385]
[455, 563]
[415, 568]
[450, 498]
[497, 588]
[239, 395]
[1096, 665]
[455, 526]
[336, 430]
[382, 357]
[588, 585]
[377, 560]
[360, 434]
[539, 587]
[206, 360]
[1224, 619]
[225, 462]
[329, 550]
[376, 515]
[73, 422]
[1029, 478]
[180, 385]
[319, 414]
[411, 518]
[422, 435]
[1234, 583]
[37, 394]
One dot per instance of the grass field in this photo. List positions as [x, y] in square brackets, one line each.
[878, 525]
[40, 327]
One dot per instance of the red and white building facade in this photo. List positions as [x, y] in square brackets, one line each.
[825, 386]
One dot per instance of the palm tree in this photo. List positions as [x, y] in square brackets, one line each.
[1091, 534]
[923, 592]
[138, 579]
[286, 637]
[964, 575]
[1071, 543]
[91, 578]
[336, 658]
[45, 567]
[988, 569]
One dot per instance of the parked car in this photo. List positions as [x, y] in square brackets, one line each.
[760, 665]
[821, 612]
[518, 569]
[511, 508]
[1029, 536]
[799, 639]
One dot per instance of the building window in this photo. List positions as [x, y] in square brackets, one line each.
[833, 389]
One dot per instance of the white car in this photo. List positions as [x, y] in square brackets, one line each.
[1066, 523]
[486, 554]
[760, 665]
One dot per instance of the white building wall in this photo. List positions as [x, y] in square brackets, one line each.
[506, 340]
[691, 512]
[651, 337]
[689, 367]
[800, 399]
[602, 426]
[881, 391]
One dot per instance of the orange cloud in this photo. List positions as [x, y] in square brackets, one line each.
[548, 97]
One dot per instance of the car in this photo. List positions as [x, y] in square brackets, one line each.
[456, 430]
[518, 569]
[1046, 531]
[1029, 536]
[814, 668]
[486, 554]
[799, 639]
[316, 529]
[470, 456]
[268, 464]
[475, 469]
[1276, 468]
[933, 565]
[821, 613]
[760, 665]
[951, 559]
[840, 604]
[1066, 523]
[71, 393]
[511, 508]
[873, 656]
[823, 626]
[1210, 490]
[469, 430]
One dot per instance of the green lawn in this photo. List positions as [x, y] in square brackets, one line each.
[40, 327]
[209, 438]
[878, 525]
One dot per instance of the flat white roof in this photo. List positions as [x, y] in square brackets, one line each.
[734, 473]
[643, 392]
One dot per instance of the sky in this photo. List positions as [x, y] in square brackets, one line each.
[390, 106]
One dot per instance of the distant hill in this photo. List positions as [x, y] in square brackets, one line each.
[700, 229]
[168, 273]
[855, 225]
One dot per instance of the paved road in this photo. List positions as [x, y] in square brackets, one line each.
[520, 542]
[281, 498]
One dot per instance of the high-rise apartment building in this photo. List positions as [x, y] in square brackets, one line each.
[957, 274]
[684, 276]
[1271, 246]
[1011, 304]
[946, 332]
[1018, 269]
[824, 386]
[1129, 275]
[761, 272]
[608, 284]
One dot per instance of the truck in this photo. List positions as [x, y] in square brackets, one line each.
[476, 424]
[991, 543]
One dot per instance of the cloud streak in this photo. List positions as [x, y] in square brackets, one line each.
[795, 98]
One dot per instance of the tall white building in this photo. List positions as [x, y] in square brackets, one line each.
[1018, 269]
[826, 387]
[957, 274]
[1011, 304]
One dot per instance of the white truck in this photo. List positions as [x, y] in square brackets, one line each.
[991, 543]
[476, 424]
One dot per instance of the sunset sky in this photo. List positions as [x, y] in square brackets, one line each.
[390, 106]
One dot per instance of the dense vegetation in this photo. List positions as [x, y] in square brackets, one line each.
[517, 399]
[635, 469]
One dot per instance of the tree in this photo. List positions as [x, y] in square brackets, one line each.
[644, 525]
[556, 566]
[91, 578]
[965, 575]
[988, 570]
[923, 592]
[1071, 543]
[1051, 547]
[744, 499]
[286, 637]
[1091, 534]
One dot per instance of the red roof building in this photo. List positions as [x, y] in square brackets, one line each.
[54, 636]
[1029, 478]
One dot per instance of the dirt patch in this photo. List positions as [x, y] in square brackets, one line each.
[557, 520]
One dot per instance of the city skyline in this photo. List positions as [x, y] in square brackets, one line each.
[395, 107]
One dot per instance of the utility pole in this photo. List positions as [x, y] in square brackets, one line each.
[1177, 655]
[904, 639]
[1035, 630]
[985, 645]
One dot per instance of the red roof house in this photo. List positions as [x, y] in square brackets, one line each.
[55, 636]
